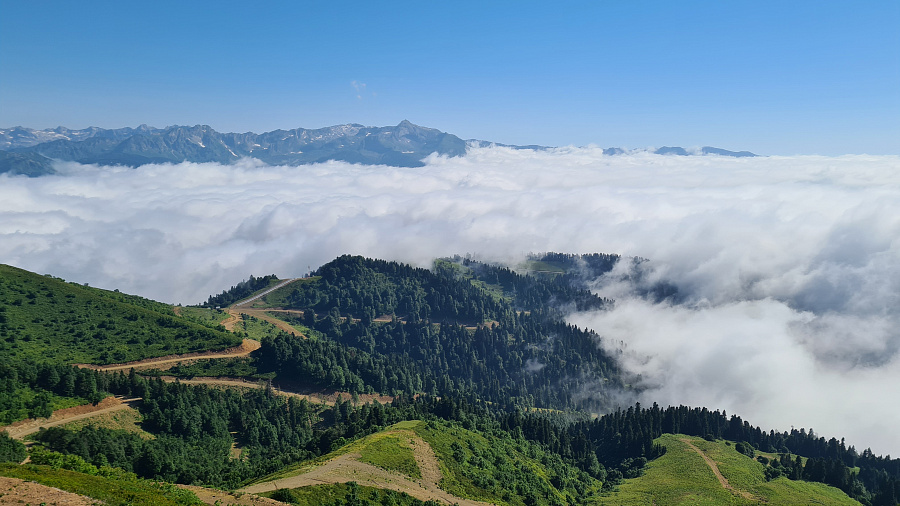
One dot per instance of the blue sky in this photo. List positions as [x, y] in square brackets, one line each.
[798, 77]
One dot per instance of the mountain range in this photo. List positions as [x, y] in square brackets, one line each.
[31, 152]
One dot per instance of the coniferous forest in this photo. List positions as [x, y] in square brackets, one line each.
[467, 347]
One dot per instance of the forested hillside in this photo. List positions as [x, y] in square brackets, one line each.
[518, 405]
[441, 333]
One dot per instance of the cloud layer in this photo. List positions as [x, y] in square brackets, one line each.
[789, 267]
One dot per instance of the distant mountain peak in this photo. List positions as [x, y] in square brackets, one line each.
[31, 152]
[28, 151]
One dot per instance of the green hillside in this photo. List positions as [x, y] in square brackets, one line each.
[483, 375]
[110, 486]
[441, 460]
[47, 319]
[681, 476]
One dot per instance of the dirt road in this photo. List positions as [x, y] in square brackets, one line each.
[347, 468]
[260, 314]
[263, 294]
[246, 347]
[28, 426]
[327, 397]
[715, 469]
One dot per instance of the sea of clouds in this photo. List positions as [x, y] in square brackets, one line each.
[788, 268]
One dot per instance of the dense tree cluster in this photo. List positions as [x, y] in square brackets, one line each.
[565, 289]
[448, 336]
[10, 449]
[240, 291]
[28, 390]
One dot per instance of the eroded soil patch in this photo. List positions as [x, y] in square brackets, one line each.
[16, 491]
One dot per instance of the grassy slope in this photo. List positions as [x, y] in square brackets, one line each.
[499, 470]
[205, 315]
[388, 449]
[44, 318]
[128, 419]
[112, 491]
[492, 470]
[681, 476]
[278, 298]
[342, 493]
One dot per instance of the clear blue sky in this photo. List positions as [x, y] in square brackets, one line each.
[773, 77]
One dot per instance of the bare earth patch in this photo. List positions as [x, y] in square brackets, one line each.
[16, 491]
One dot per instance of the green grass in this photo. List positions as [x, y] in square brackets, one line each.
[391, 452]
[45, 319]
[258, 329]
[236, 367]
[128, 420]
[542, 267]
[681, 476]
[205, 315]
[371, 449]
[113, 491]
[279, 298]
[341, 493]
[24, 396]
[499, 469]
[494, 291]
[297, 324]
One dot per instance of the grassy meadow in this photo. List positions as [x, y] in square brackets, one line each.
[681, 476]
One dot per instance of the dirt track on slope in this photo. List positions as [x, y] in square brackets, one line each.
[232, 320]
[321, 396]
[28, 426]
[260, 314]
[347, 468]
[715, 469]
[213, 497]
[162, 363]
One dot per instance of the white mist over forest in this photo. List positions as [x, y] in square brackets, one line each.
[788, 268]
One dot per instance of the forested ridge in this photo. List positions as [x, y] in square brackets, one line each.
[474, 348]
[446, 336]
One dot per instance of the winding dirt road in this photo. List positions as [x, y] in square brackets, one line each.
[246, 347]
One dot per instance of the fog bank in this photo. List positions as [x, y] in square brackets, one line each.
[788, 267]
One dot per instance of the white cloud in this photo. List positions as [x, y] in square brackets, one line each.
[789, 266]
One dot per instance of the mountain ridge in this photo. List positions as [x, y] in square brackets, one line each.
[31, 152]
